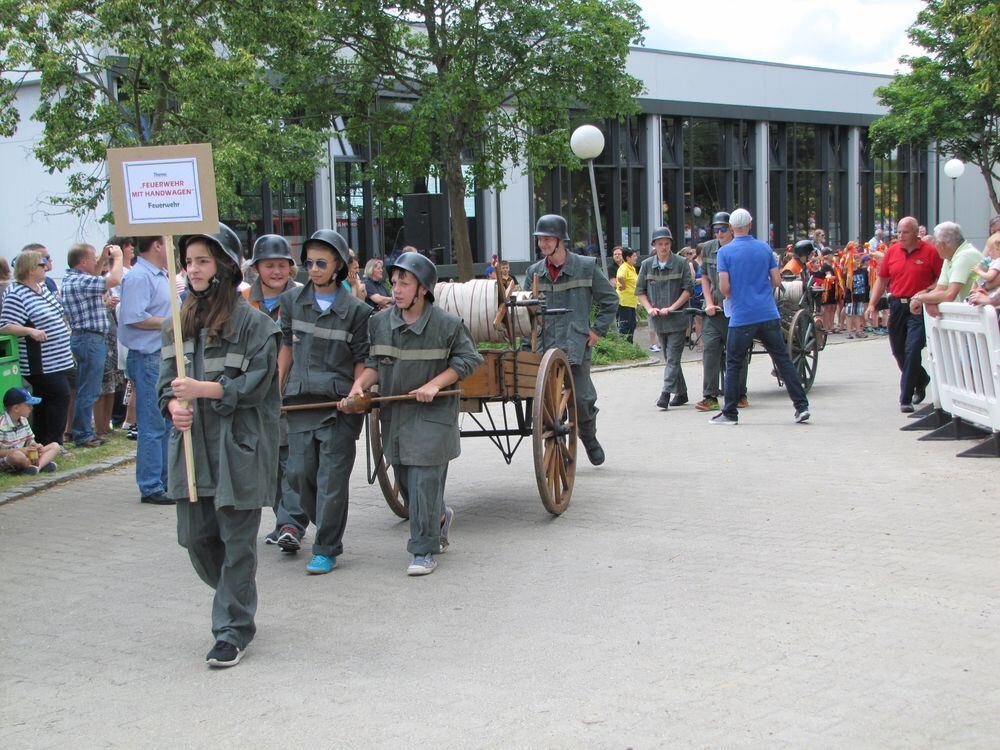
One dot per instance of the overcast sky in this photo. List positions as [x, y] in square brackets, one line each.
[866, 35]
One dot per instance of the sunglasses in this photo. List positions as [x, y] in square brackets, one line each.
[719, 230]
[43, 264]
[322, 265]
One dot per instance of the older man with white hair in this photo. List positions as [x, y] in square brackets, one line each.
[958, 274]
[748, 276]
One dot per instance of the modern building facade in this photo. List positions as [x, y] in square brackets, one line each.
[789, 143]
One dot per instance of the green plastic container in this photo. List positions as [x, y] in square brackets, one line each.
[10, 364]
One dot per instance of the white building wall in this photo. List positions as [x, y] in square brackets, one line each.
[27, 191]
[971, 207]
[515, 216]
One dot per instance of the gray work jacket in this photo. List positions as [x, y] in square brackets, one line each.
[710, 268]
[407, 357]
[580, 285]
[662, 286]
[235, 438]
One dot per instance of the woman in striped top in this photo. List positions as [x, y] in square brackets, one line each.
[33, 314]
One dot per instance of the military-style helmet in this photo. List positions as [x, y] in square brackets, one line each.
[419, 266]
[720, 218]
[552, 225]
[804, 248]
[337, 245]
[271, 247]
[661, 233]
[226, 241]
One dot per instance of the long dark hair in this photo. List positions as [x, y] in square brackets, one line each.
[213, 310]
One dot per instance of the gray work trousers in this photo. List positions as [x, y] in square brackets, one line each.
[319, 475]
[714, 330]
[672, 344]
[586, 399]
[422, 487]
[287, 510]
[222, 545]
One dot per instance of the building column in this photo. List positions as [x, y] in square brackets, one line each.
[762, 182]
[654, 182]
[854, 230]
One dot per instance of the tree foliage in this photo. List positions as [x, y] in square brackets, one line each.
[117, 73]
[952, 94]
[485, 82]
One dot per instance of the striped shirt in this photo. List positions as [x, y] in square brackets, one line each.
[14, 435]
[23, 306]
[83, 298]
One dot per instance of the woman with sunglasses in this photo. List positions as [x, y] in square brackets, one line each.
[324, 343]
[37, 317]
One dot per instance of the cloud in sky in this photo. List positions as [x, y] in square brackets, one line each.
[864, 35]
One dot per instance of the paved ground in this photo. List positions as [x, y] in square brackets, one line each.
[770, 585]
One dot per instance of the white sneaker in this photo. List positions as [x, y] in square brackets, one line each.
[654, 348]
[422, 565]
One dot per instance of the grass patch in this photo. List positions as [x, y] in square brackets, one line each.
[119, 446]
[613, 347]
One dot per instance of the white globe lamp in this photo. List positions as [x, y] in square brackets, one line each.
[587, 142]
[954, 168]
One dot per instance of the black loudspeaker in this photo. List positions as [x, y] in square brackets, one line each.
[427, 225]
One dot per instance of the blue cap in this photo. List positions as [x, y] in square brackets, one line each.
[15, 396]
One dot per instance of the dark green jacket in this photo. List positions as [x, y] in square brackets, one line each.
[662, 286]
[235, 438]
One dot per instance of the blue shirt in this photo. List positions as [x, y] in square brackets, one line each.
[748, 262]
[83, 298]
[145, 294]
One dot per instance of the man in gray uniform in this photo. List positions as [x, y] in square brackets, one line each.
[715, 326]
[664, 288]
[324, 342]
[576, 283]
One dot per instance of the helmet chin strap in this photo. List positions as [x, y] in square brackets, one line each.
[213, 284]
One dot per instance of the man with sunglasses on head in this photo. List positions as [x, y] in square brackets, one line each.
[324, 343]
[715, 327]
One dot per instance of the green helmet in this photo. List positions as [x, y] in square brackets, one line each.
[804, 248]
[271, 247]
[421, 267]
[225, 241]
[661, 233]
[552, 225]
[334, 242]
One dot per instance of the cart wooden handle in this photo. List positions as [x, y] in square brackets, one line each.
[361, 404]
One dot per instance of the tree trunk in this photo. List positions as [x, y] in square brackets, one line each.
[461, 248]
[991, 190]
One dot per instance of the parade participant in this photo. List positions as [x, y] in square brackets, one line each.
[799, 261]
[748, 276]
[273, 267]
[856, 294]
[503, 269]
[324, 342]
[420, 349]
[626, 279]
[232, 407]
[715, 326]
[909, 267]
[576, 283]
[664, 287]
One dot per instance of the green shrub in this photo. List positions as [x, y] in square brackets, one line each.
[614, 347]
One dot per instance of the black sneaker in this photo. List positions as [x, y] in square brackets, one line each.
[663, 402]
[595, 453]
[919, 394]
[679, 400]
[289, 539]
[49, 467]
[224, 654]
[157, 498]
[133, 433]
[802, 415]
[906, 408]
[271, 538]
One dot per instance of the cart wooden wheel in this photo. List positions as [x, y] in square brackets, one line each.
[386, 476]
[554, 431]
[803, 347]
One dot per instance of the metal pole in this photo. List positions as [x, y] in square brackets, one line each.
[954, 209]
[597, 218]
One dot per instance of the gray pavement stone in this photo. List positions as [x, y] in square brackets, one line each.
[832, 584]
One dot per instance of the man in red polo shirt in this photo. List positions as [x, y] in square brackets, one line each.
[910, 266]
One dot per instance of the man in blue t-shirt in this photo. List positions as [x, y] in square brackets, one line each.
[748, 276]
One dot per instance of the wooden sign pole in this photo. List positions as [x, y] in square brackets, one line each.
[175, 316]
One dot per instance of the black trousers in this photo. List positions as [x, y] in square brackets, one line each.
[48, 419]
[907, 339]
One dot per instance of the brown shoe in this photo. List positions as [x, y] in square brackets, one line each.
[94, 442]
[743, 404]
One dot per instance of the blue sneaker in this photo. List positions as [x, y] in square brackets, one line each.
[321, 564]
[421, 565]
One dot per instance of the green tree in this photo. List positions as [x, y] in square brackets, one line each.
[485, 83]
[951, 95]
[117, 73]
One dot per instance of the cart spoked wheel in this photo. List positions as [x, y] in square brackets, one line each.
[803, 347]
[386, 476]
[554, 431]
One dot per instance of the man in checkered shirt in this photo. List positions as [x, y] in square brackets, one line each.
[83, 296]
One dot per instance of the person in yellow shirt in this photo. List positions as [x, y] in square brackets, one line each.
[627, 301]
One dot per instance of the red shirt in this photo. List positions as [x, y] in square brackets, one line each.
[909, 273]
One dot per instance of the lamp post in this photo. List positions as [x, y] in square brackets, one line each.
[954, 168]
[587, 143]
